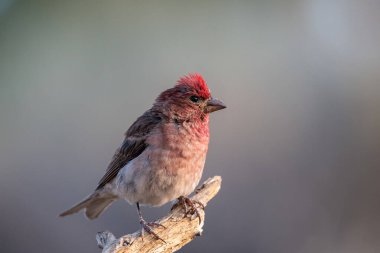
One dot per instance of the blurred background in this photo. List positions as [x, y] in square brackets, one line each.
[298, 147]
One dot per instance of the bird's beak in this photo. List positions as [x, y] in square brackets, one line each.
[214, 105]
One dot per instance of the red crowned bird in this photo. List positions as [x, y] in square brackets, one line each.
[162, 156]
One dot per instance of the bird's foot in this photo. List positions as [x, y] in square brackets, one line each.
[147, 227]
[190, 206]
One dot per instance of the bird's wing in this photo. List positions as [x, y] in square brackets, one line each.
[133, 145]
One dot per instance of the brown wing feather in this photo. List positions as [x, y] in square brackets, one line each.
[133, 145]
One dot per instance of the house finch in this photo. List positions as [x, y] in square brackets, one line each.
[162, 156]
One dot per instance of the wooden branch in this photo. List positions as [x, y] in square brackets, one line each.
[178, 231]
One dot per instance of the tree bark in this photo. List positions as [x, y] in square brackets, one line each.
[178, 231]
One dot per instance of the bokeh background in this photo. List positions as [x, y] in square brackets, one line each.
[298, 147]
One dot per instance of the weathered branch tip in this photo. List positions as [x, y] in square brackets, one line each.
[178, 230]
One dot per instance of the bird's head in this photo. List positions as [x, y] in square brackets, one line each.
[189, 99]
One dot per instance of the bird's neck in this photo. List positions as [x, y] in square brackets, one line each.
[196, 126]
[199, 127]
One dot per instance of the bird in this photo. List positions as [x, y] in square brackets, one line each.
[162, 156]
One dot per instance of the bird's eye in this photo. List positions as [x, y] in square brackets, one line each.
[195, 99]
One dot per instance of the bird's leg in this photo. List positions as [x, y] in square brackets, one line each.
[189, 206]
[147, 226]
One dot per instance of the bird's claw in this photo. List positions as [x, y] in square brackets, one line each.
[190, 206]
[147, 227]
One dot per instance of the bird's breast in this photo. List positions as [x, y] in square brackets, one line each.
[178, 149]
[177, 157]
[170, 166]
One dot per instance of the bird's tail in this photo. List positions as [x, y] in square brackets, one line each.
[94, 204]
